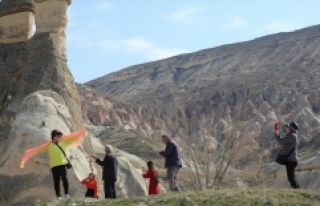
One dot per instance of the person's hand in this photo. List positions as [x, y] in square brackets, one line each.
[276, 131]
[94, 157]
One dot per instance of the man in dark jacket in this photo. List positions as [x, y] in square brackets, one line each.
[173, 161]
[289, 144]
[109, 172]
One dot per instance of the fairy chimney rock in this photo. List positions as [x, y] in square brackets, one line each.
[16, 20]
[51, 15]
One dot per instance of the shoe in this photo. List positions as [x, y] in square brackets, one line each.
[67, 196]
[59, 198]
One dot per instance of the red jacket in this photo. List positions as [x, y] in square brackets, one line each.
[153, 187]
[91, 184]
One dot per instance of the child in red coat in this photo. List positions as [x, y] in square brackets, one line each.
[152, 174]
[92, 186]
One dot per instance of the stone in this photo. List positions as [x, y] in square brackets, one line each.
[222, 125]
[27, 132]
[51, 16]
[16, 27]
[8, 7]
[264, 108]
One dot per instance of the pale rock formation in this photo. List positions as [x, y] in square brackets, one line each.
[16, 20]
[264, 108]
[51, 15]
[249, 110]
[271, 116]
[222, 125]
[303, 102]
[259, 118]
[42, 112]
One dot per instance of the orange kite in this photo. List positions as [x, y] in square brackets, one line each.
[33, 151]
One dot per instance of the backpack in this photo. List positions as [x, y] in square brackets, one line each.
[156, 178]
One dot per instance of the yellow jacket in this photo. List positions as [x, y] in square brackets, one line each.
[56, 156]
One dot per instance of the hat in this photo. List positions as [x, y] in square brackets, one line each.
[293, 126]
[55, 132]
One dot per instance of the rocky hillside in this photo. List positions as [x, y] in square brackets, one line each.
[268, 79]
[248, 65]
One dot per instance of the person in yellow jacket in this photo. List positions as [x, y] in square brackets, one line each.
[59, 162]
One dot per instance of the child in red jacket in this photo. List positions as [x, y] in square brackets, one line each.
[152, 174]
[92, 186]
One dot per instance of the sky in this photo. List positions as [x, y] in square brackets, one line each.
[104, 36]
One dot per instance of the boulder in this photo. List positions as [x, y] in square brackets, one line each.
[42, 112]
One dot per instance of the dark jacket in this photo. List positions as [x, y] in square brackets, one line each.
[109, 167]
[288, 142]
[172, 154]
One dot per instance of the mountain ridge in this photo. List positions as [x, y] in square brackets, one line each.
[250, 60]
[224, 46]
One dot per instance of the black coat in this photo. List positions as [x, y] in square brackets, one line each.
[109, 167]
[172, 155]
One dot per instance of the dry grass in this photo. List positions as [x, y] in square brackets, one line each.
[232, 197]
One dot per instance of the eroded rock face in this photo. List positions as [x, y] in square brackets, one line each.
[51, 16]
[27, 67]
[42, 112]
[27, 115]
[10, 7]
[16, 27]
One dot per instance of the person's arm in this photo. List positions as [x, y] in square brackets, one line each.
[33, 151]
[103, 162]
[84, 181]
[95, 189]
[73, 137]
[287, 139]
[147, 174]
[168, 151]
[45, 149]
[70, 141]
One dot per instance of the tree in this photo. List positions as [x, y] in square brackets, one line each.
[209, 163]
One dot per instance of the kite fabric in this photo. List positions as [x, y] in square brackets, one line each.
[75, 137]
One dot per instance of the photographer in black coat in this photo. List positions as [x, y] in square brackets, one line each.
[109, 172]
[289, 144]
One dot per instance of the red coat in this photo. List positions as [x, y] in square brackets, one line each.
[153, 187]
[91, 184]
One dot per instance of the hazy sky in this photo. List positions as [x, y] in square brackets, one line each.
[105, 36]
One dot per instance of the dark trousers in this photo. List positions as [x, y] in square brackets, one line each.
[172, 174]
[291, 167]
[90, 193]
[60, 172]
[109, 189]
